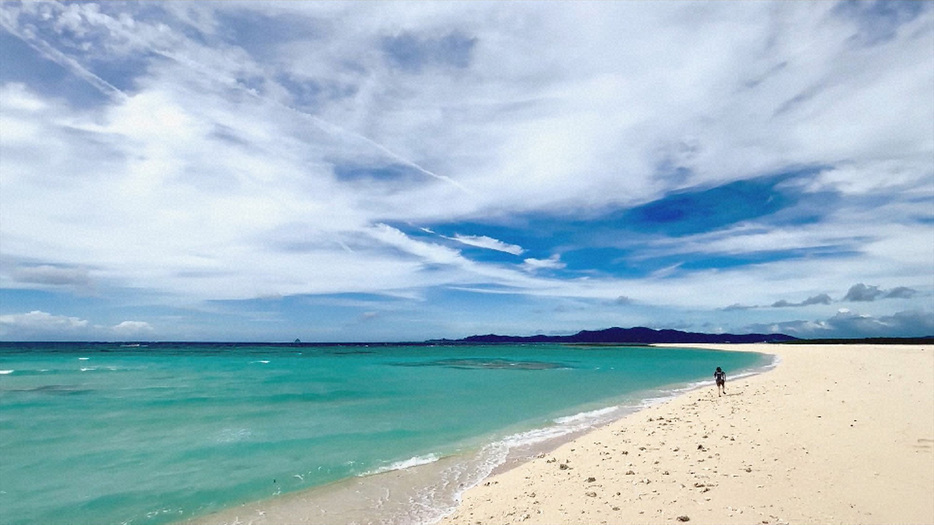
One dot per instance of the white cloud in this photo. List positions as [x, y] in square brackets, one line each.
[215, 178]
[551, 263]
[39, 325]
[17, 97]
[482, 241]
[430, 253]
[38, 322]
[132, 328]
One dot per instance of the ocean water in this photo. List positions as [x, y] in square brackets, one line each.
[104, 434]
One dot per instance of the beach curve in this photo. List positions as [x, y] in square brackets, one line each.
[834, 434]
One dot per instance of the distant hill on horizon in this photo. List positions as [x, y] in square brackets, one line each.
[638, 334]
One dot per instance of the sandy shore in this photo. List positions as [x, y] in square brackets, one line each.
[834, 434]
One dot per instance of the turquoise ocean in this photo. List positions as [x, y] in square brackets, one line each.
[110, 434]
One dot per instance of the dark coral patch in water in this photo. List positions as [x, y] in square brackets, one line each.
[491, 364]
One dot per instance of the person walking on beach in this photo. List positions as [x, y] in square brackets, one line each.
[720, 377]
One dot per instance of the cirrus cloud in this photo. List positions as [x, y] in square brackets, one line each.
[482, 241]
[179, 156]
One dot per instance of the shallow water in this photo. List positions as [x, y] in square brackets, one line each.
[103, 434]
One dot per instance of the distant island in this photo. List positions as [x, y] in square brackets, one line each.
[639, 335]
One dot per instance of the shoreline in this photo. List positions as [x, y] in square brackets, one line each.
[832, 434]
[424, 490]
[622, 411]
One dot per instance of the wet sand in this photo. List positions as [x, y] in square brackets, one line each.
[833, 434]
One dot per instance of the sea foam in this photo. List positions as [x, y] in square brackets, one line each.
[406, 463]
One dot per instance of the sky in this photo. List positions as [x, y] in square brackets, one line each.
[403, 171]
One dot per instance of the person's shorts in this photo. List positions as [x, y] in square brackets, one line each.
[720, 382]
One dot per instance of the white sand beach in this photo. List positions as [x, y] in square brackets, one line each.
[833, 434]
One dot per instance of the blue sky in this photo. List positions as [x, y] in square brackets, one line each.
[401, 171]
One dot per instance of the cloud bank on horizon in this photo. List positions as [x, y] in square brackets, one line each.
[402, 171]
